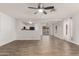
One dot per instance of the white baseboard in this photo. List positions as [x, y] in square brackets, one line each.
[71, 41]
[74, 42]
[6, 43]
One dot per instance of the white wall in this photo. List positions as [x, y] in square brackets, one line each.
[59, 32]
[28, 34]
[67, 22]
[51, 28]
[61, 29]
[75, 36]
[7, 29]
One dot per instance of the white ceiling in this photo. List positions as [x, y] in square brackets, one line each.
[21, 12]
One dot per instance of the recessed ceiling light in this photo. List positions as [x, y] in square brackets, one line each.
[30, 22]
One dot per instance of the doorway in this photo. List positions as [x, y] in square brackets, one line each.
[45, 30]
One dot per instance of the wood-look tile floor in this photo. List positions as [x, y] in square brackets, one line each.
[50, 47]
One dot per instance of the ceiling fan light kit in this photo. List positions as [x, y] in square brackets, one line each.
[40, 10]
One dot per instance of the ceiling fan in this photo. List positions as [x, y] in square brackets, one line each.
[41, 8]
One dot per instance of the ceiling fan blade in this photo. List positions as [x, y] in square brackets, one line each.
[25, 23]
[32, 7]
[52, 10]
[39, 5]
[36, 12]
[50, 7]
[44, 12]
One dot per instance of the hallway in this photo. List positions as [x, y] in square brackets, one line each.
[52, 47]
